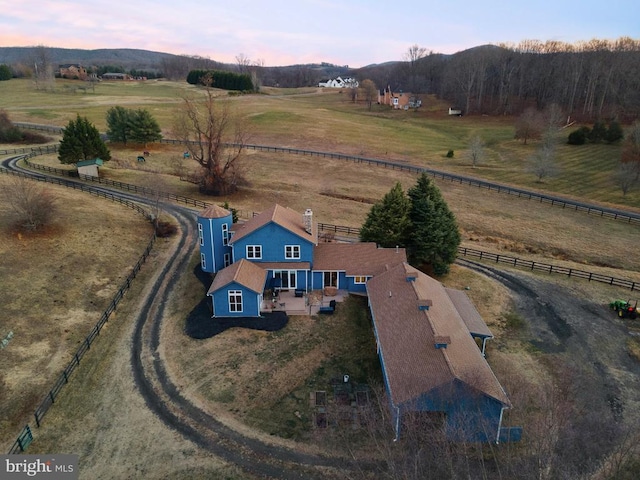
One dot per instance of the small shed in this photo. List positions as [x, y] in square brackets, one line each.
[89, 167]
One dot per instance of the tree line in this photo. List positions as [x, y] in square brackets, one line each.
[588, 80]
[221, 79]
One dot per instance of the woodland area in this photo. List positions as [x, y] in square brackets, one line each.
[588, 80]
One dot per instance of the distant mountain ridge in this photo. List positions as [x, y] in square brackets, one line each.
[125, 57]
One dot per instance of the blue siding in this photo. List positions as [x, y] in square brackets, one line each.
[250, 302]
[470, 415]
[302, 279]
[351, 286]
[212, 248]
[273, 238]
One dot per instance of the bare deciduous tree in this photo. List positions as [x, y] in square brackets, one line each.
[369, 91]
[215, 138]
[631, 150]
[43, 74]
[626, 176]
[476, 151]
[529, 125]
[543, 162]
[33, 205]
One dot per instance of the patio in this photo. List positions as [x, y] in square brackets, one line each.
[307, 304]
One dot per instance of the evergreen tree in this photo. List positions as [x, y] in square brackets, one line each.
[614, 132]
[598, 132]
[5, 72]
[387, 223]
[81, 141]
[144, 128]
[434, 237]
[119, 124]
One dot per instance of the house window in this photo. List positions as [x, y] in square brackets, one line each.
[292, 251]
[225, 234]
[203, 261]
[235, 300]
[330, 279]
[359, 280]
[200, 234]
[227, 259]
[254, 251]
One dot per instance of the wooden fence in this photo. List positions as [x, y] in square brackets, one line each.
[548, 268]
[628, 217]
[25, 436]
[351, 232]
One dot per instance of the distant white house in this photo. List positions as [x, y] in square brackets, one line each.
[340, 83]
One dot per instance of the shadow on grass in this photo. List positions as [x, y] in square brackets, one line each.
[200, 325]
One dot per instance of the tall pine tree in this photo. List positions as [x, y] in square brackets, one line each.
[434, 237]
[421, 222]
[81, 141]
[119, 124]
[388, 223]
[144, 128]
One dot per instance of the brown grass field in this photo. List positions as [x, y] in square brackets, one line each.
[57, 284]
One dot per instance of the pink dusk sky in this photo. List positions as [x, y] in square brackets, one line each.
[283, 32]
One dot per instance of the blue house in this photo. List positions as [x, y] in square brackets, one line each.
[426, 334]
[237, 290]
[214, 226]
[430, 361]
[282, 242]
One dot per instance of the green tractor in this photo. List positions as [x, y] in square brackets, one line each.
[625, 309]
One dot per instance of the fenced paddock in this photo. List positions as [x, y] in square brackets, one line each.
[550, 200]
[25, 436]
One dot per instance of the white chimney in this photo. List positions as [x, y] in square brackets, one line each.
[307, 220]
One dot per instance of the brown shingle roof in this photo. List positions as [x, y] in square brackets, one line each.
[283, 216]
[214, 211]
[468, 312]
[242, 272]
[356, 258]
[407, 338]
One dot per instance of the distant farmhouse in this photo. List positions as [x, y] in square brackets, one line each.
[115, 76]
[430, 339]
[398, 100]
[72, 70]
[339, 83]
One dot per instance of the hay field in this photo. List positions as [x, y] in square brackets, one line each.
[56, 283]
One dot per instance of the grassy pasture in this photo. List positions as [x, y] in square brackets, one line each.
[329, 121]
[55, 285]
[304, 119]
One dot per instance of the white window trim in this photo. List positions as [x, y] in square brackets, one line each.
[290, 252]
[253, 255]
[203, 261]
[337, 275]
[359, 280]
[227, 259]
[200, 234]
[234, 293]
[225, 234]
